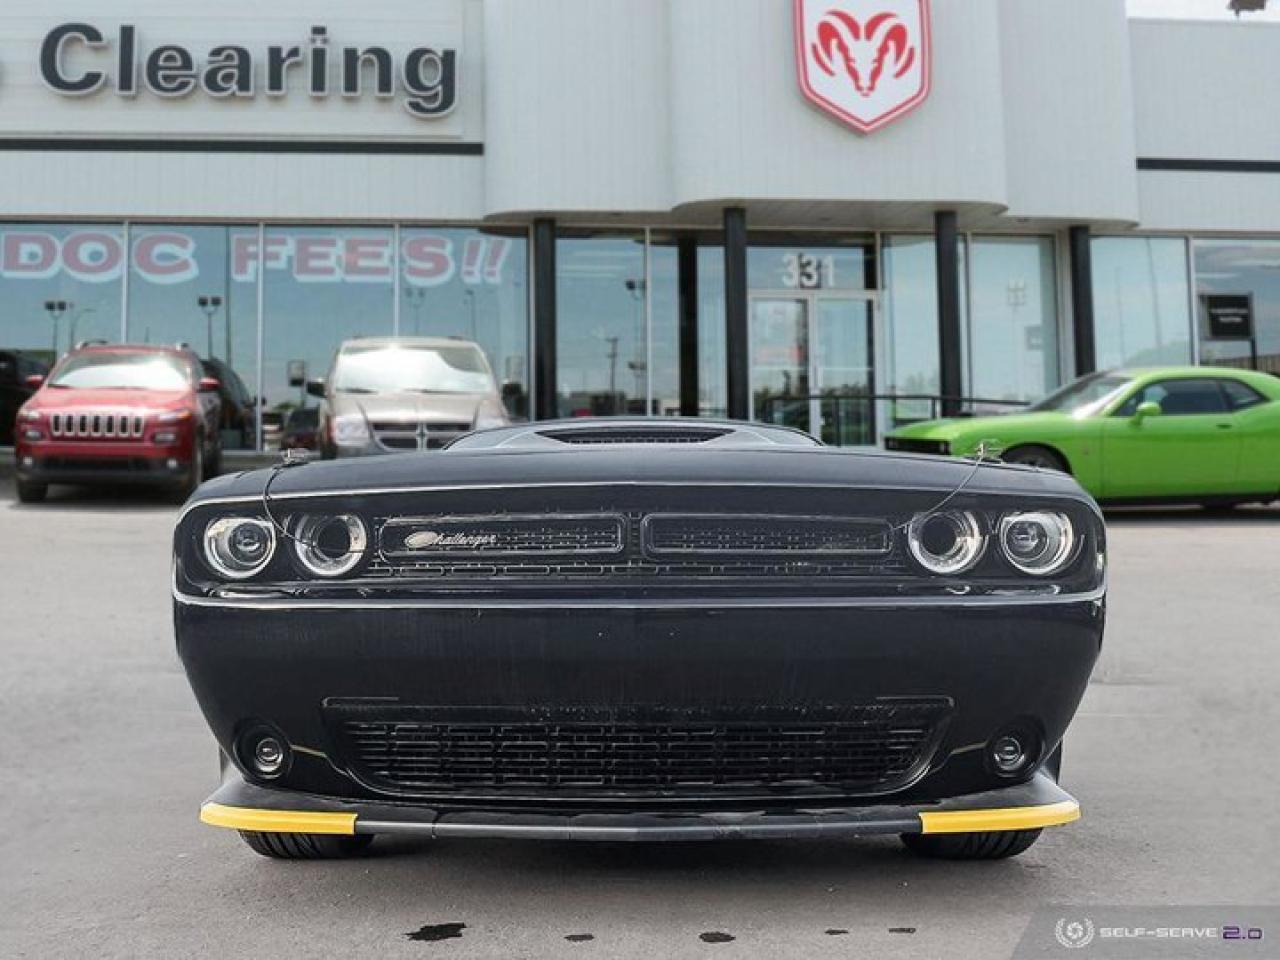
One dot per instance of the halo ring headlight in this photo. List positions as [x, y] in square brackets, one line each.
[239, 547]
[946, 543]
[330, 546]
[1038, 542]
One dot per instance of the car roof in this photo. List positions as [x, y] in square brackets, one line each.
[408, 342]
[1186, 371]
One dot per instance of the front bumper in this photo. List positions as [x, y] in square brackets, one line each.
[1037, 803]
[102, 463]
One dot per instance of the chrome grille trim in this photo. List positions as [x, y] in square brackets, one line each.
[508, 535]
[98, 424]
[416, 434]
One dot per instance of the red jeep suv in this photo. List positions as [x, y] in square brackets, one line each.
[119, 413]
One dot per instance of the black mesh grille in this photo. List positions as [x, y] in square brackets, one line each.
[848, 749]
[754, 535]
[905, 445]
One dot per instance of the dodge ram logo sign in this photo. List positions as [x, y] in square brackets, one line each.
[863, 61]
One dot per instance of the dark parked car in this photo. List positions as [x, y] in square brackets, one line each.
[239, 419]
[15, 388]
[301, 429]
[640, 630]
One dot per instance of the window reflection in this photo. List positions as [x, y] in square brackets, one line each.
[1249, 267]
[59, 284]
[470, 284]
[1012, 343]
[184, 288]
[1140, 301]
[601, 346]
[321, 287]
[910, 325]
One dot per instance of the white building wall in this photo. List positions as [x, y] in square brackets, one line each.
[1207, 91]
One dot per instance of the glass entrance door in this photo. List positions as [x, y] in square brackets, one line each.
[812, 365]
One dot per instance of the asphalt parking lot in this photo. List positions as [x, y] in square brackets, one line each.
[105, 759]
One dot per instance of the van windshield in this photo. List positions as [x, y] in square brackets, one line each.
[407, 368]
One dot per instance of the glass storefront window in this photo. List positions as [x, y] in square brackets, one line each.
[471, 284]
[1012, 341]
[185, 288]
[59, 284]
[1140, 301]
[601, 346]
[321, 286]
[1243, 267]
[664, 275]
[713, 389]
[910, 314]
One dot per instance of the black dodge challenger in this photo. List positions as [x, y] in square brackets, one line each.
[640, 630]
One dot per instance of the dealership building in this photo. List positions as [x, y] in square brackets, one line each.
[840, 215]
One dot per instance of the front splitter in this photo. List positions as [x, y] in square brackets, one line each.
[1037, 803]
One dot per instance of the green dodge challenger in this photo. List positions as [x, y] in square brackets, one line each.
[1206, 435]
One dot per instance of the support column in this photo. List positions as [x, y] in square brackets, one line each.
[1082, 300]
[737, 347]
[950, 366]
[544, 405]
[687, 268]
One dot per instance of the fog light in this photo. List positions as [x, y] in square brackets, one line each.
[171, 463]
[264, 752]
[28, 462]
[1013, 751]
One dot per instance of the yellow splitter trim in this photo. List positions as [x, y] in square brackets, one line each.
[1008, 818]
[277, 821]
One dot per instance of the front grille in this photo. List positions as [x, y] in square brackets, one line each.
[682, 534]
[907, 445]
[655, 434]
[632, 546]
[417, 435]
[99, 424]
[859, 749]
[416, 538]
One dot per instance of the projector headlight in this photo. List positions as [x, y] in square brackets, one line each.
[330, 546]
[946, 543]
[239, 547]
[1039, 543]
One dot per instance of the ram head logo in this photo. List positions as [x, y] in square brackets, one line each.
[864, 61]
[863, 51]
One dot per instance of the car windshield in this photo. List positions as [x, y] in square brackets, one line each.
[412, 368]
[1085, 396]
[122, 371]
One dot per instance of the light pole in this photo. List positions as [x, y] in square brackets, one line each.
[210, 305]
[415, 296]
[471, 305]
[55, 309]
[75, 323]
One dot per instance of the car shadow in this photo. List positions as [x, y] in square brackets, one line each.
[93, 498]
[1138, 516]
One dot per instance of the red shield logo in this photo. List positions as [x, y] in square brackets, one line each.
[863, 61]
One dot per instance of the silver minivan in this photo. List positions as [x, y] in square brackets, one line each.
[397, 394]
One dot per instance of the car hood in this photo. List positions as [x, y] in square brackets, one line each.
[411, 407]
[981, 428]
[78, 398]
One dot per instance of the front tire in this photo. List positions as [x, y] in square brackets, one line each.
[1034, 455]
[31, 492]
[988, 845]
[304, 846]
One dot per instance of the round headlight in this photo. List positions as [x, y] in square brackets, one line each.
[239, 547]
[330, 546]
[946, 543]
[1038, 543]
